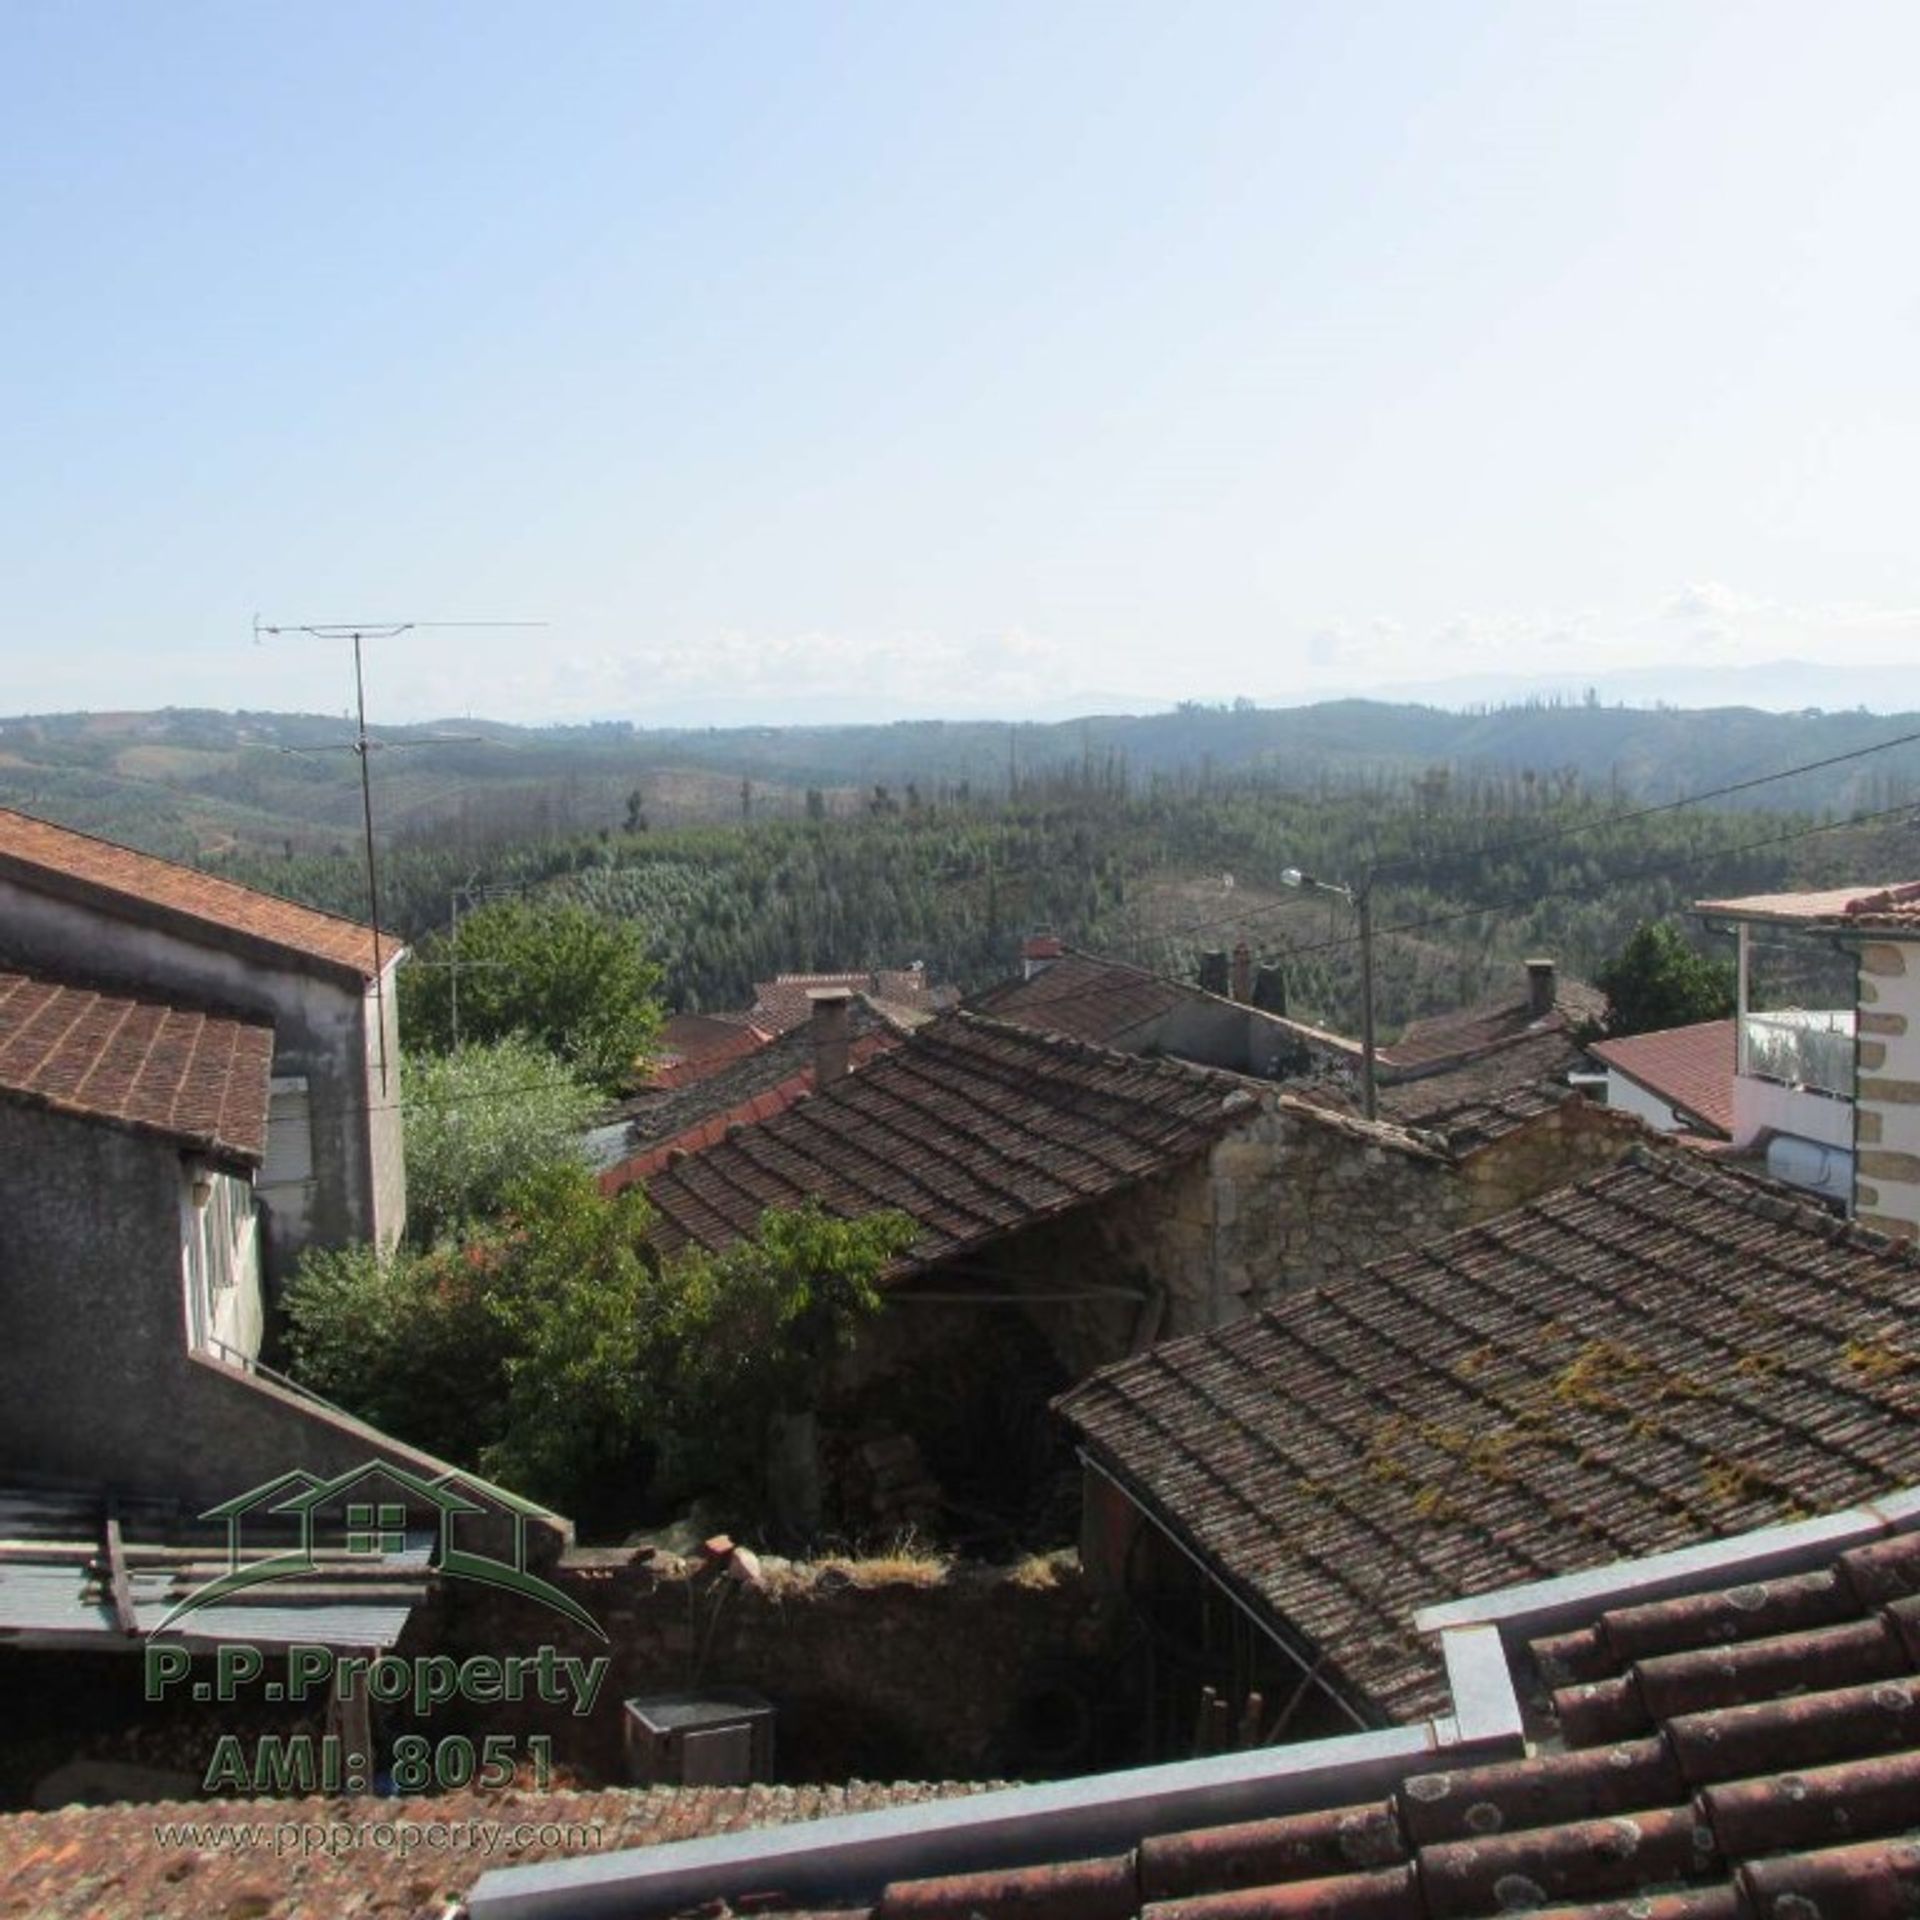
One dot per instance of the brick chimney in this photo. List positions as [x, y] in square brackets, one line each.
[827, 1028]
[1542, 990]
[1038, 953]
[1243, 973]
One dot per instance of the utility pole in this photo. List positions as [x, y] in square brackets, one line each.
[1360, 898]
[361, 745]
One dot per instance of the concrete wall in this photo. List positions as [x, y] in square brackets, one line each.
[1241, 1039]
[324, 1031]
[1628, 1096]
[97, 1383]
[1770, 1106]
[1886, 1191]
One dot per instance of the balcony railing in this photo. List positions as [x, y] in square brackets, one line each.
[1801, 1048]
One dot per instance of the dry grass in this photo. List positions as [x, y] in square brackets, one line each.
[907, 1561]
[1040, 1572]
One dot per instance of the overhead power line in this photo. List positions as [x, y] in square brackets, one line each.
[1624, 818]
[1654, 871]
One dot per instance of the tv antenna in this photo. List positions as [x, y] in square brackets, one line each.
[362, 744]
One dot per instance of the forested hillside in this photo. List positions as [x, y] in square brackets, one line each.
[187, 781]
[1153, 839]
[1157, 878]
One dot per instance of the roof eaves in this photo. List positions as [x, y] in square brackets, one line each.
[188, 1139]
[201, 929]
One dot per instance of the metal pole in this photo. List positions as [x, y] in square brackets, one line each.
[453, 964]
[1363, 899]
[373, 880]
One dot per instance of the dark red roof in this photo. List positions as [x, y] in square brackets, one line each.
[1690, 1068]
[1483, 1099]
[1474, 1031]
[781, 1004]
[1663, 1354]
[971, 1127]
[196, 1077]
[143, 887]
[1088, 998]
[761, 1104]
[695, 1046]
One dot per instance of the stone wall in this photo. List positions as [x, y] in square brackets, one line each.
[968, 1674]
[1886, 1166]
[1577, 1140]
[1291, 1197]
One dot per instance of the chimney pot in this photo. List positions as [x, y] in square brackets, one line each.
[827, 1026]
[1243, 973]
[1038, 953]
[1213, 972]
[1542, 991]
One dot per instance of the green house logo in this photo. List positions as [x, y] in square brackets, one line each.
[371, 1512]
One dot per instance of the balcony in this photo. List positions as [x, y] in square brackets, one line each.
[1811, 1050]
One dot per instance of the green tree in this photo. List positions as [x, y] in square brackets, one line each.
[552, 1351]
[577, 982]
[519, 1351]
[481, 1119]
[751, 1332]
[1656, 981]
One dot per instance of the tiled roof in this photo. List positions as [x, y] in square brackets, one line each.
[199, 1078]
[1483, 1099]
[1690, 1068]
[82, 1862]
[695, 1046]
[781, 1004]
[1889, 907]
[1477, 1030]
[1744, 1751]
[972, 1127]
[1665, 1353]
[1088, 998]
[666, 1113]
[141, 886]
[761, 1104]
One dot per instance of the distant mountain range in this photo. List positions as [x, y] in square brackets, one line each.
[1776, 686]
[181, 780]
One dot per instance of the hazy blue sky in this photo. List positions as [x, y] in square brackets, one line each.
[903, 359]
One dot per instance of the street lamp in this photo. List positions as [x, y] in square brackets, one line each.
[1360, 898]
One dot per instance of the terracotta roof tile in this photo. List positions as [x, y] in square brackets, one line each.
[971, 1127]
[1474, 1031]
[694, 1047]
[81, 1862]
[1086, 998]
[141, 886]
[1664, 1354]
[188, 1075]
[1892, 907]
[1690, 1068]
[781, 1004]
[1796, 1804]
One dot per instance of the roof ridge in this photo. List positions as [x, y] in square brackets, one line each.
[93, 882]
[1760, 1195]
[1044, 1040]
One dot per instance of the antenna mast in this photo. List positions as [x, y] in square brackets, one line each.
[361, 745]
